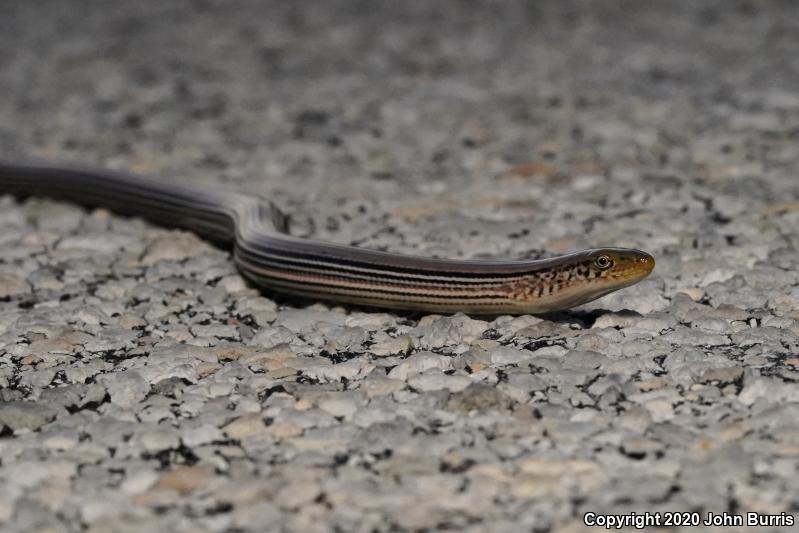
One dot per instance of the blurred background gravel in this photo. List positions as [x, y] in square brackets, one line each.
[145, 387]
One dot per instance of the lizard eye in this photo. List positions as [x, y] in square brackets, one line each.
[602, 262]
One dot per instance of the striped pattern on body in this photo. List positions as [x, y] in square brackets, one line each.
[268, 256]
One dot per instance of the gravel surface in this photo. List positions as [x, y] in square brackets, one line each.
[144, 386]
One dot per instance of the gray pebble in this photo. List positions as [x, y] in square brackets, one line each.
[25, 415]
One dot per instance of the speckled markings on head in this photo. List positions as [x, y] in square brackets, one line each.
[583, 277]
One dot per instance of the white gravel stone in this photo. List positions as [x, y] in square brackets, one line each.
[384, 344]
[300, 321]
[340, 406]
[155, 440]
[506, 355]
[434, 379]
[661, 410]
[126, 388]
[418, 363]
[139, 482]
[457, 331]
[220, 331]
[199, 435]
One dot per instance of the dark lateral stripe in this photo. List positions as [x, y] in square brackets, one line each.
[127, 197]
[176, 211]
[159, 211]
[478, 306]
[274, 249]
[333, 284]
[368, 275]
[308, 287]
